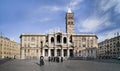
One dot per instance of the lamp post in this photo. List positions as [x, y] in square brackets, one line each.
[41, 48]
[74, 49]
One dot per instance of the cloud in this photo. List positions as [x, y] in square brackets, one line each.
[94, 23]
[101, 18]
[108, 34]
[73, 5]
[106, 5]
[53, 8]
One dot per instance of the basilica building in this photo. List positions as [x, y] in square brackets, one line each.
[68, 44]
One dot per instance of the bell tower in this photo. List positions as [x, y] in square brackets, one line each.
[69, 22]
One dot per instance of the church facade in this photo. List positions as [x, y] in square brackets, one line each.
[67, 44]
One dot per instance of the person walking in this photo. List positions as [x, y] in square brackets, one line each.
[61, 59]
[41, 60]
[49, 59]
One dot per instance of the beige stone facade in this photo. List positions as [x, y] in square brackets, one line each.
[59, 43]
[85, 45]
[109, 48]
[9, 48]
[31, 45]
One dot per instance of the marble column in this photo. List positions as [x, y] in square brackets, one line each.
[61, 52]
[49, 52]
[68, 53]
[55, 52]
[43, 52]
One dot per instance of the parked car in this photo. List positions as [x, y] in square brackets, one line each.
[118, 58]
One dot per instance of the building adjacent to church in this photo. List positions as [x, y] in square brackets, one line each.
[109, 48]
[68, 44]
[9, 48]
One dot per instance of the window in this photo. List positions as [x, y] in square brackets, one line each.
[46, 52]
[37, 50]
[25, 50]
[32, 39]
[28, 50]
[25, 45]
[71, 22]
[58, 38]
[84, 45]
[25, 39]
[52, 40]
[118, 44]
[68, 22]
[83, 39]
[91, 51]
[65, 40]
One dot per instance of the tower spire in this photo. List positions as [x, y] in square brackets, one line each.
[69, 22]
[69, 10]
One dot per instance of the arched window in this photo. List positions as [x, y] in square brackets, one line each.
[71, 22]
[65, 40]
[58, 38]
[68, 22]
[52, 40]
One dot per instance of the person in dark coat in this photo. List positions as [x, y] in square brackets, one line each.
[61, 59]
[49, 59]
[54, 59]
[41, 60]
[57, 59]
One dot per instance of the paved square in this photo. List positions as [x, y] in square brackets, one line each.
[69, 65]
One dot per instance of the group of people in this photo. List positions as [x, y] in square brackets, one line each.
[55, 59]
[51, 59]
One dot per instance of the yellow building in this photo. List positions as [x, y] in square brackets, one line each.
[9, 48]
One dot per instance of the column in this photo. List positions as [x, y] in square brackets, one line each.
[43, 52]
[68, 53]
[62, 52]
[39, 54]
[55, 39]
[49, 52]
[62, 40]
[55, 52]
[22, 54]
[86, 42]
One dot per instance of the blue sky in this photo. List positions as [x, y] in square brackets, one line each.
[101, 17]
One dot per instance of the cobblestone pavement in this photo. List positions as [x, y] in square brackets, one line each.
[69, 65]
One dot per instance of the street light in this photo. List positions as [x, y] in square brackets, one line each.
[41, 47]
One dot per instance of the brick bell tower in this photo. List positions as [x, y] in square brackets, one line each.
[69, 22]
